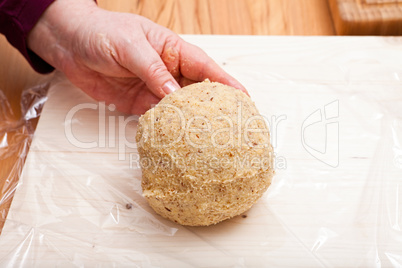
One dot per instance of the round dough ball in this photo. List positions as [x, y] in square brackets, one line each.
[205, 154]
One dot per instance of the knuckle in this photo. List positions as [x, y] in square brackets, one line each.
[155, 70]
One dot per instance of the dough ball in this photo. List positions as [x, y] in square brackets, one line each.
[205, 154]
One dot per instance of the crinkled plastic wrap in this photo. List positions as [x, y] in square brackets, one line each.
[333, 105]
[16, 132]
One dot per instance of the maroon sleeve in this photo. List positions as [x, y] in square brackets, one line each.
[17, 18]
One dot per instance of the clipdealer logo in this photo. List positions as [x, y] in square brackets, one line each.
[324, 126]
[107, 131]
[112, 131]
[321, 125]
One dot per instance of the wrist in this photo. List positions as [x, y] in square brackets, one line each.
[52, 36]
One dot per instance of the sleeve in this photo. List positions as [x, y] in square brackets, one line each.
[17, 18]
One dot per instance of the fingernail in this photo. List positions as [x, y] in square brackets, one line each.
[170, 87]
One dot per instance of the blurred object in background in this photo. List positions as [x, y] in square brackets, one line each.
[240, 17]
[367, 17]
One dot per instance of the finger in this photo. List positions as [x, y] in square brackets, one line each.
[137, 104]
[148, 100]
[133, 97]
[145, 62]
[130, 96]
[171, 58]
[196, 65]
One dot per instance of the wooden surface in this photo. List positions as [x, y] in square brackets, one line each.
[263, 17]
[367, 17]
[337, 207]
[301, 17]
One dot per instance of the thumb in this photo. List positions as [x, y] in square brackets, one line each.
[157, 77]
[149, 67]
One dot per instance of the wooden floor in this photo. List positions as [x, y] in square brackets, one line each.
[243, 17]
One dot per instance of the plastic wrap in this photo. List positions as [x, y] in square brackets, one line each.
[16, 132]
[334, 110]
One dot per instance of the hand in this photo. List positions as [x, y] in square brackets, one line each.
[119, 58]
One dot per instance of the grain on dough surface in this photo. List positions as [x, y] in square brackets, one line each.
[205, 154]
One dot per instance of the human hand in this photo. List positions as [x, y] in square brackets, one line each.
[119, 58]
